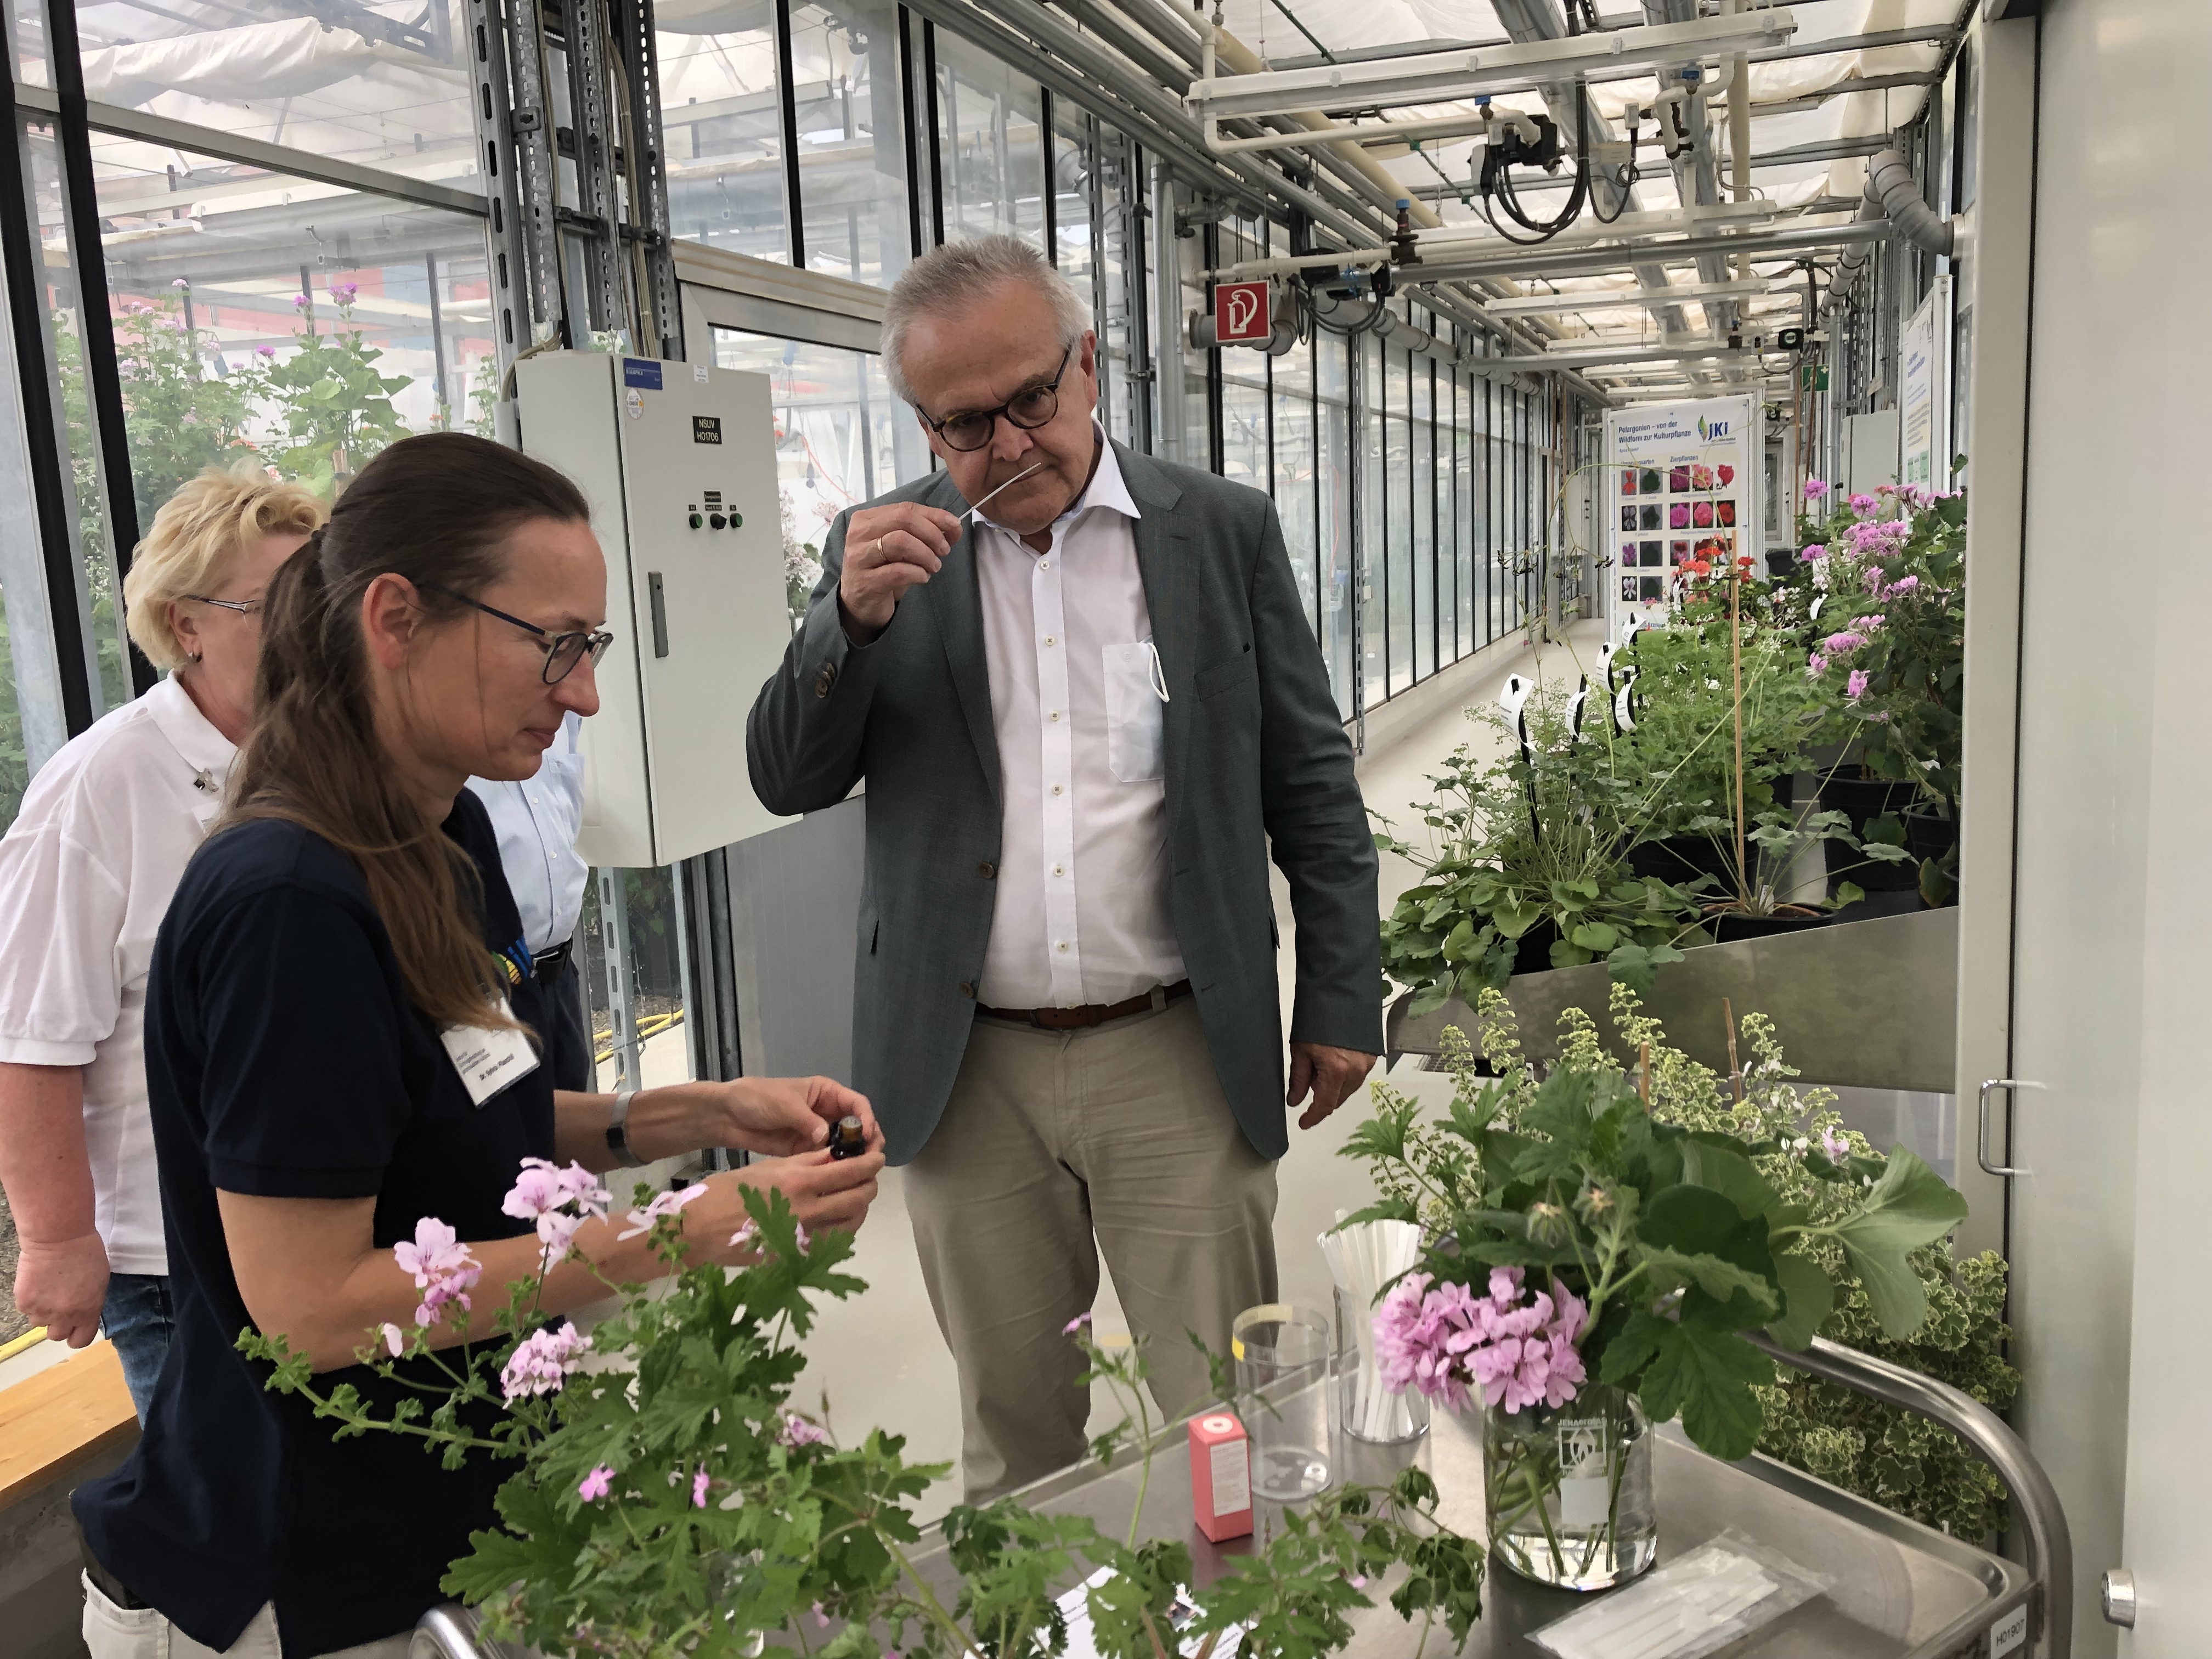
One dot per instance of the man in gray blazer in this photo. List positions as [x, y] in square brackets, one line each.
[1085, 722]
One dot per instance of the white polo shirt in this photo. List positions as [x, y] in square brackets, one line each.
[86, 871]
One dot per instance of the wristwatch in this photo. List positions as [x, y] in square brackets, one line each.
[618, 1133]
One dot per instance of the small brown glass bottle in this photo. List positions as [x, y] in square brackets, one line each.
[849, 1139]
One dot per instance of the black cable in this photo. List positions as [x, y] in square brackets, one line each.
[1629, 174]
[1497, 182]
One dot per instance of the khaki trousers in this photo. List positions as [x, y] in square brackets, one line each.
[1057, 1146]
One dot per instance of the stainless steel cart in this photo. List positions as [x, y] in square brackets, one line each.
[1902, 1590]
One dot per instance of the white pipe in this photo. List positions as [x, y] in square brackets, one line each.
[1218, 45]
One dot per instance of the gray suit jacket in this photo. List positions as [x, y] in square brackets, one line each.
[1256, 756]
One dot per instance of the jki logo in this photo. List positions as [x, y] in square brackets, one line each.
[1712, 430]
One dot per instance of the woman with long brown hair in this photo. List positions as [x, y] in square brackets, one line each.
[338, 1043]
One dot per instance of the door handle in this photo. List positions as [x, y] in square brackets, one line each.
[659, 613]
[1982, 1125]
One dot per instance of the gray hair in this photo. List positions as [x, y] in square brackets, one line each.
[954, 277]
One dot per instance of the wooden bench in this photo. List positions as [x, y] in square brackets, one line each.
[61, 1418]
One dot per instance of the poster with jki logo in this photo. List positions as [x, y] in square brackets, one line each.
[1682, 493]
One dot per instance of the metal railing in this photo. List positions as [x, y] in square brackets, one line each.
[2046, 1544]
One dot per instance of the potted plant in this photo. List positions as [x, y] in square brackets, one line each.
[1589, 1269]
[1888, 643]
[1525, 870]
[669, 1502]
[1724, 717]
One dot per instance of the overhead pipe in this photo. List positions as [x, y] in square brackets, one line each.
[1893, 195]
[1183, 34]
[1891, 186]
[1025, 32]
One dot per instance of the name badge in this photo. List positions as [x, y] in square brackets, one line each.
[488, 1059]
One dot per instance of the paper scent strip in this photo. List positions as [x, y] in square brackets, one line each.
[1365, 1260]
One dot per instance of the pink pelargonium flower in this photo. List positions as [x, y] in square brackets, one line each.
[543, 1362]
[1902, 585]
[1516, 1352]
[795, 1431]
[180, 281]
[1834, 1147]
[1863, 503]
[1855, 686]
[1815, 665]
[442, 1267]
[1814, 488]
[1868, 624]
[1838, 644]
[264, 351]
[395, 1340]
[596, 1485]
[1075, 1324]
[1812, 550]
[663, 1204]
[700, 1483]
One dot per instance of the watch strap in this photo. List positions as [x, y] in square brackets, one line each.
[618, 1131]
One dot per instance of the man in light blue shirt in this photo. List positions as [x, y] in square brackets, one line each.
[537, 821]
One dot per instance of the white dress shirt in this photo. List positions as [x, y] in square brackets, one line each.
[537, 821]
[1081, 914]
[87, 870]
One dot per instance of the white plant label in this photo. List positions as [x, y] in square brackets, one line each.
[2009, 1633]
[1232, 1477]
[1585, 1493]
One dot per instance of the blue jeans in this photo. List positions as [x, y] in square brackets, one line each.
[137, 1319]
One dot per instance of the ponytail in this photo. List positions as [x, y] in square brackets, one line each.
[437, 510]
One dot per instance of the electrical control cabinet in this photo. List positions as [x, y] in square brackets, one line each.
[678, 462]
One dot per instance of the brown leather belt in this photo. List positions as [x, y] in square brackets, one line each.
[1091, 1013]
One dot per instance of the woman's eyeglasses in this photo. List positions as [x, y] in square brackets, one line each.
[243, 607]
[1028, 410]
[563, 651]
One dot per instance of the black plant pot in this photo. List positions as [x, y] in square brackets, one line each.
[1930, 833]
[1729, 926]
[1863, 800]
[1681, 859]
[1534, 953]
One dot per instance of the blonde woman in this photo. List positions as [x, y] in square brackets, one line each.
[85, 873]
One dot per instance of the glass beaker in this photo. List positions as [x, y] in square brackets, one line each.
[1286, 1360]
[1370, 1412]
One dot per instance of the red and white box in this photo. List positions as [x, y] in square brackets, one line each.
[1220, 1476]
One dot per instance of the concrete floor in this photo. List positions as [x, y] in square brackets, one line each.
[878, 1361]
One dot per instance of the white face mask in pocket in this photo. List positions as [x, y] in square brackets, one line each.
[1136, 724]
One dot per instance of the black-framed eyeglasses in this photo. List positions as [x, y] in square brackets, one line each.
[563, 651]
[243, 607]
[1028, 409]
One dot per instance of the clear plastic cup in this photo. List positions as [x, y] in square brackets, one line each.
[1286, 1376]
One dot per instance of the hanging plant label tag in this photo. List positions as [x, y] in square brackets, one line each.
[2010, 1632]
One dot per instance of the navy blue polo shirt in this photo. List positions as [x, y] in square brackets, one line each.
[283, 1060]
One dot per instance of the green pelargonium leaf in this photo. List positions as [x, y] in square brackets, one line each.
[1703, 1376]
[1807, 1298]
[1911, 1206]
[1671, 1269]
